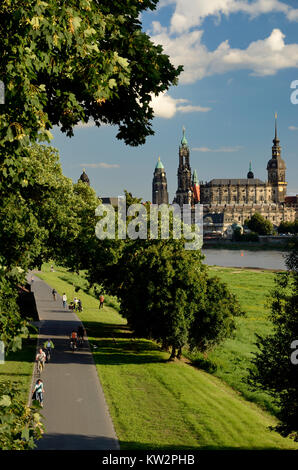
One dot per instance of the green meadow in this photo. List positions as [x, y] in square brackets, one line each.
[156, 404]
[232, 358]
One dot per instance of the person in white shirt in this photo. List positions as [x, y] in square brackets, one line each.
[64, 300]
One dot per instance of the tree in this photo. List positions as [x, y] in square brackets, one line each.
[273, 368]
[288, 227]
[165, 294]
[20, 425]
[66, 62]
[259, 224]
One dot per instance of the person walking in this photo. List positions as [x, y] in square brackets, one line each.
[40, 359]
[101, 301]
[54, 293]
[75, 301]
[64, 300]
[38, 392]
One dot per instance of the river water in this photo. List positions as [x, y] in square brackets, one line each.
[245, 259]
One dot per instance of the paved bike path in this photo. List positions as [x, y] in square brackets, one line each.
[75, 411]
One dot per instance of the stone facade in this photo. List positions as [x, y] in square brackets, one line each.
[229, 201]
[159, 185]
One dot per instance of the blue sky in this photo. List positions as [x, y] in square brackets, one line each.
[239, 59]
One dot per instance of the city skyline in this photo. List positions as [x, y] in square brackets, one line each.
[239, 65]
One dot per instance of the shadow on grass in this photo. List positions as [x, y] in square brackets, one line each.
[115, 344]
[84, 443]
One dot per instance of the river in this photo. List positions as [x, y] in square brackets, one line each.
[245, 259]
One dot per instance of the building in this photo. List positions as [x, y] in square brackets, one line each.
[159, 185]
[84, 178]
[233, 200]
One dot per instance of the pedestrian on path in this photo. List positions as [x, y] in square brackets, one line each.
[64, 300]
[101, 300]
[38, 392]
[54, 293]
[75, 301]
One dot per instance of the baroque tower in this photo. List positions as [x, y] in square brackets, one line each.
[184, 194]
[159, 185]
[277, 170]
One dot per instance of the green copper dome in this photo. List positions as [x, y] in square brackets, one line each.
[159, 164]
[195, 178]
[184, 141]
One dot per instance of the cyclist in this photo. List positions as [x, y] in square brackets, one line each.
[40, 359]
[48, 346]
[38, 392]
[73, 338]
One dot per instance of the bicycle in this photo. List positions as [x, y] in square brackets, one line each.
[48, 354]
[40, 366]
[73, 345]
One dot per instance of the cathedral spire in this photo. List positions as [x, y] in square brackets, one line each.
[184, 141]
[250, 173]
[276, 139]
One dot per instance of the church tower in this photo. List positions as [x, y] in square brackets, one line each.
[184, 193]
[159, 185]
[277, 171]
[250, 174]
[196, 188]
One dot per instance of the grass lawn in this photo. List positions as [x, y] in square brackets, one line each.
[155, 404]
[233, 356]
[18, 366]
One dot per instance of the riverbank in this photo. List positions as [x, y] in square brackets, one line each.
[156, 404]
[249, 246]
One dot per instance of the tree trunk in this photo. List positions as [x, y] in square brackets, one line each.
[179, 353]
[173, 354]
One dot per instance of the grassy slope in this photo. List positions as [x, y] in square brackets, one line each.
[18, 366]
[233, 357]
[156, 404]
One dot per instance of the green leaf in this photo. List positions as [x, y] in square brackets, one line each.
[5, 400]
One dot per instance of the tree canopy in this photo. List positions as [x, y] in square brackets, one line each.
[273, 369]
[66, 62]
[259, 224]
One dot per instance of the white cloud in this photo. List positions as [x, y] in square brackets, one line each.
[165, 106]
[293, 128]
[90, 123]
[192, 109]
[99, 165]
[220, 150]
[261, 57]
[191, 13]
[83, 125]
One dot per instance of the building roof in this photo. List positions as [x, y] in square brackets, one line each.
[159, 164]
[235, 181]
[113, 201]
[184, 141]
[84, 177]
[195, 178]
